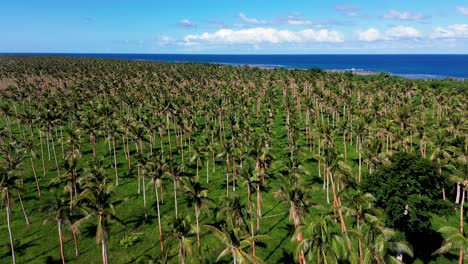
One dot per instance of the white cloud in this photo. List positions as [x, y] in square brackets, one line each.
[187, 23]
[371, 34]
[402, 32]
[252, 21]
[398, 32]
[451, 31]
[396, 15]
[264, 35]
[462, 10]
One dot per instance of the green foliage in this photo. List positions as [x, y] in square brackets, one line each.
[128, 241]
[409, 189]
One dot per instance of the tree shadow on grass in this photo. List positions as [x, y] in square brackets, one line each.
[290, 229]
[21, 247]
[139, 220]
[89, 231]
[51, 260]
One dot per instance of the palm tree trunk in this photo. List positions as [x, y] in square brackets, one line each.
[360, 158]
[55, 154]
[104, 250]
[35, 176]
[161, 242]
[42, 154]
[461, 225]
[175, 196]
[144, 196]
[115, 163]
[8, 211]
[259, 207]
[24, 210]
[48, 147]
[197, 216]
[207, 170]
[75, 240]
[62, 253]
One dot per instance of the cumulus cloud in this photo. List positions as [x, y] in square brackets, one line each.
[451, 31]
[261, 35]
[396, 15]
[398, 32]
[371, 34]
[187, 23]
[462, 10]
[251, 20]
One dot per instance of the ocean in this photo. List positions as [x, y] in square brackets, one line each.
[407, 66]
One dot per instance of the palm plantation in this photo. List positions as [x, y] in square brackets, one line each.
[151, 160]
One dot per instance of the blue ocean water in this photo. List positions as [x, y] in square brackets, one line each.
[408, 66]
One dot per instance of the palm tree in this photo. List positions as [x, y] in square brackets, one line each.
[235, 243]
[453, 239]
[157, 169]
[58, 212]
[321, 242]
[297, 197]
[8, 183]
[96, 198]
[360, 205]
[181, 229]
[198, 196]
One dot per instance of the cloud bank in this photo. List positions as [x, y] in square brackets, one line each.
[264, 36]
[398, 32]
[451, 31]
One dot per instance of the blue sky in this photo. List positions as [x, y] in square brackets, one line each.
[234, 27]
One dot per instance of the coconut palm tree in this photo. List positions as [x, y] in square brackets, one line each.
[453, 239]
[97, 200]
[157, 169]
[235, 243]
[321, 242]
[197, 195]
[59, 212]
[181, 229]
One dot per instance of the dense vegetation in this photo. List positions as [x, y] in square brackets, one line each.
[160, 162]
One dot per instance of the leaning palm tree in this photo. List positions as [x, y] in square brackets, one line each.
[96, 199]
[235, 243]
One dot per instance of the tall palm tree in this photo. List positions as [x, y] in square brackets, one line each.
[97, 199]
[198, 196]
[58, 212]
[157, 169]
[321, 242]
[10, 164]
[180, 229]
